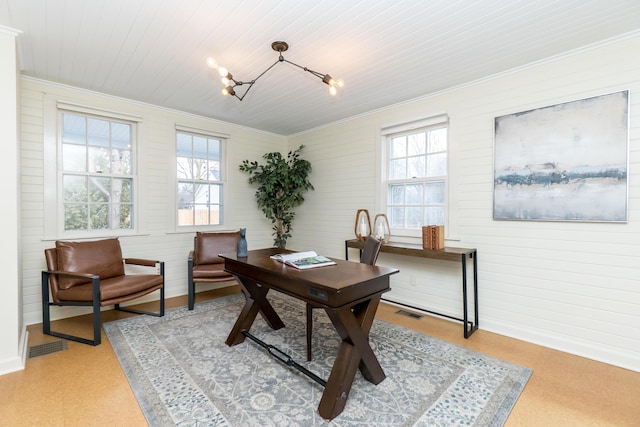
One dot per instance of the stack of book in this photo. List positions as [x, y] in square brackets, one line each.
[433, 237]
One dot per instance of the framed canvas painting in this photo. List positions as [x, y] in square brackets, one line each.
[566, 162]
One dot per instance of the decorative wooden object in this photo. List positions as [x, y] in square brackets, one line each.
[363, 224]
[433, 237]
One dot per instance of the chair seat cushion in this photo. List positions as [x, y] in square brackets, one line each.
[210, 271]
[114, 289]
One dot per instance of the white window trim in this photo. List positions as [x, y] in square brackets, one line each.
[84, 109]
[381, 171]
[53, 218]
[439, 119]
[172, 220]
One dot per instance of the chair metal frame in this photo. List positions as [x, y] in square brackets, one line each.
[95, 303]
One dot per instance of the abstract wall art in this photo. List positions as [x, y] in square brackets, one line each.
[566, 162]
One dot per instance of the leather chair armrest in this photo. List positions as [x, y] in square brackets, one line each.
[191, 255]
[51, 283]
[143, 262]
[70, 274]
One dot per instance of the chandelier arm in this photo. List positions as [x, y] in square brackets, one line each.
[315, 73]
[252, 82]
[245, 92]
[263, 73]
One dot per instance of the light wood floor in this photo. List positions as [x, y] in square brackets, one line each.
[84, 385]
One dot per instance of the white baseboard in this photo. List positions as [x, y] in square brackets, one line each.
[17, 363]
[564, 344]
[575, 347]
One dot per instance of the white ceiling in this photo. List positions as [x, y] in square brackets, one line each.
[387, 51]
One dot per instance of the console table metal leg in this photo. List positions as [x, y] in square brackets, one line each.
[470, 329]
[475, 289]
[465, 314]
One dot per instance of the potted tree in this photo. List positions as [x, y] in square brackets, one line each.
[281, 186]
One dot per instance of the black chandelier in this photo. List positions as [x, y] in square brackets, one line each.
[231, 84]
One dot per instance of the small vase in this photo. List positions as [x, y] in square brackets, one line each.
[242, 243]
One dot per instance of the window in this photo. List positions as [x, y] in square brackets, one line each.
[97, 173]
[416, 176]
[199, 179]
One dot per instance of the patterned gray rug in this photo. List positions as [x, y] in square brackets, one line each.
[183, 374]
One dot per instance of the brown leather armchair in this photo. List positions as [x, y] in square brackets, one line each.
[92, 274]
[204, 265]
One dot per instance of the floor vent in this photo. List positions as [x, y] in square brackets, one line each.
[409, 314]
[47, 348]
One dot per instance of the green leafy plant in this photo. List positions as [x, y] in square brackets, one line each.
[281, 186]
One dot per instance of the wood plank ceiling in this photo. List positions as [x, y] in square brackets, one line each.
[387, 51]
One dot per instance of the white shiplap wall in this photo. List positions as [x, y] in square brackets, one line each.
[570, 286]
[156, 152]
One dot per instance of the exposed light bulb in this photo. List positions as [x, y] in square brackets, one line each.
[332, 90]
[223, 71]
[225, 91]
[211, 62]
[225, 81]
[340, 83]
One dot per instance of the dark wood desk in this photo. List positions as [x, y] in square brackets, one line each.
[349, 292]
[449, 254]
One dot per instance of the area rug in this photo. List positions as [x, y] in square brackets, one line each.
[182, 373]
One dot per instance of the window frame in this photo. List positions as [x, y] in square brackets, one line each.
[405, 129]
[54, 224]
[223, 181]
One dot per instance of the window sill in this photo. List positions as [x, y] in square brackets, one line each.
[80, 237]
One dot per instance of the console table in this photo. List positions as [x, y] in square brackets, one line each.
[448, 254]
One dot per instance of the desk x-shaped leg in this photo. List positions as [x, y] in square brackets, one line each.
[255, 302]
[353, 324]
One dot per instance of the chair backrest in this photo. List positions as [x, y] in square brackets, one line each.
[207, 246]
[370, 251]
[100, 257]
